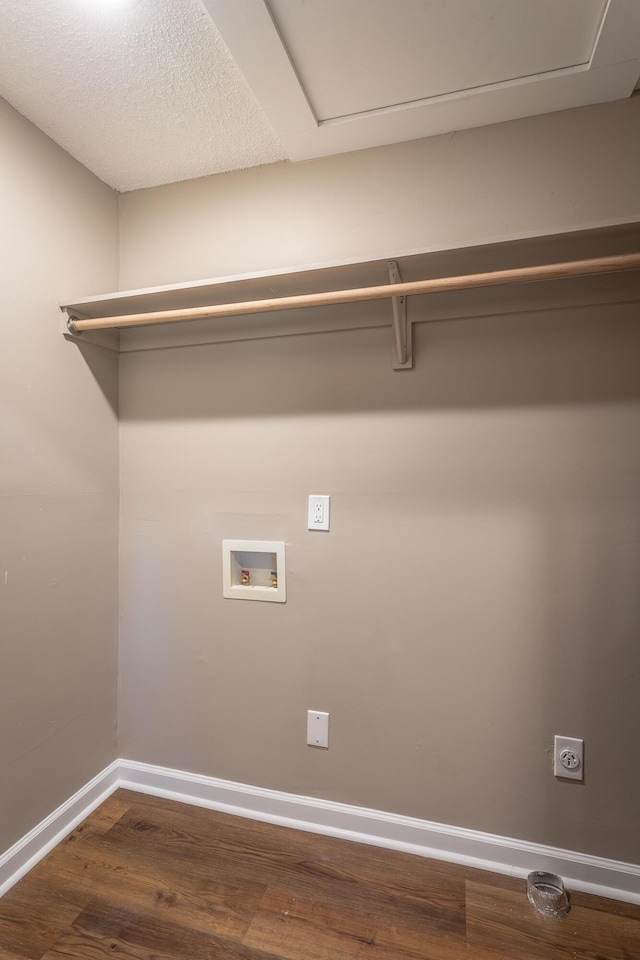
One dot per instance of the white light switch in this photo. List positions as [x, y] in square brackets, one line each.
[319, 511]
[317, 728]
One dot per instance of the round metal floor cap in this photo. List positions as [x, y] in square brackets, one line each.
[547, 894]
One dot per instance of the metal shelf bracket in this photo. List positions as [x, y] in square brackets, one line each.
[402, 333]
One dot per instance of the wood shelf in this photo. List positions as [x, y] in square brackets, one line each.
[318, 279]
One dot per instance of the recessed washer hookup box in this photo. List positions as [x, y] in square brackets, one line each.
[254, 570]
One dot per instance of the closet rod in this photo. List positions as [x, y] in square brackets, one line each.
[553, 271]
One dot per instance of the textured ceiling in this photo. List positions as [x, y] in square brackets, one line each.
[142, 92]
[146, 92]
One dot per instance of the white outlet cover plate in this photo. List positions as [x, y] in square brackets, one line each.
[319, 511]
[568, 743]
[317, 728]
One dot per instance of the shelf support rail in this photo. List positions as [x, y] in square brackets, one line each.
[396, 290]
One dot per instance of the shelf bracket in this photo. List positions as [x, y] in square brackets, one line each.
[402, 333]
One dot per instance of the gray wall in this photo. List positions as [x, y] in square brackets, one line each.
[565, 171]
[58, 482]
[478, 590]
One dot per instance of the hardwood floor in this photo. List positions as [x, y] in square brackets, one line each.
[149, 879]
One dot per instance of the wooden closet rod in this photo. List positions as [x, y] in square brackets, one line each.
[553, 271]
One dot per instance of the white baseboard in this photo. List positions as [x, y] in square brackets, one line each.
[24, 854]
[607, 878]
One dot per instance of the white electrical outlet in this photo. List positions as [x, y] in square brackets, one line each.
[319, 511]
[568, 758]
[317, 728]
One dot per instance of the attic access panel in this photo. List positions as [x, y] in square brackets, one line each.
[335, 76]
[384, 56]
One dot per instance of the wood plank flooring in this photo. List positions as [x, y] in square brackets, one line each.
[150, 879]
